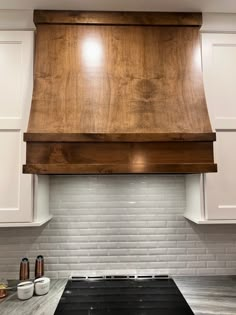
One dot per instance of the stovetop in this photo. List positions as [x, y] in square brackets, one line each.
[122, 295]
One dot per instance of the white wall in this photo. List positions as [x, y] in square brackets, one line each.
[120, 224]
[16, 20]
[226, 6]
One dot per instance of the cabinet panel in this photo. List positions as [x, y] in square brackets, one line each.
[220, 187]
[219, 71]
[10, 78]
[9, 169]
[16, 58]
[219, 66]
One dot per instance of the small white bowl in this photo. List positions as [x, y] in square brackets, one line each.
[41, 286]
[25, 290]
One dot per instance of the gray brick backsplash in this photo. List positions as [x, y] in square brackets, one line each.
[120, 224]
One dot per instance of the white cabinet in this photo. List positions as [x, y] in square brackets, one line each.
[218, 189]
[15, 89]
[219, 69]
[16, 73]
[219, 72]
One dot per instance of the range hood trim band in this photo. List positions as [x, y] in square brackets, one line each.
[117, 18]
[101, 169]
[118, 137]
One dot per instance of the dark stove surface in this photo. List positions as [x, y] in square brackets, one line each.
[127, 296]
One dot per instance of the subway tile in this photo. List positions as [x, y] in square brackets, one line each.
[216, 264]
[176, 264]
[197, 264]
[120, 224]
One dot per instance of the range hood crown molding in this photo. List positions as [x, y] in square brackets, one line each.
[118, 92]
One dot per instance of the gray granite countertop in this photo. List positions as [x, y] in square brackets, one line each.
[205, 295]
[209, 295]
[37, 305]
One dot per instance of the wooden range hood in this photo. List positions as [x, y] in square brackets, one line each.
[118, 92]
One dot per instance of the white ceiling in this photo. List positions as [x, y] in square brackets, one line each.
[222, 6]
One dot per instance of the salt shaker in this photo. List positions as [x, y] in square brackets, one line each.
[24, 269]
[39, 267]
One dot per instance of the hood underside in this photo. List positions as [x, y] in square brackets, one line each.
[118, 92]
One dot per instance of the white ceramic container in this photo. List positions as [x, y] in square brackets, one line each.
[25, 290]
[41, 285]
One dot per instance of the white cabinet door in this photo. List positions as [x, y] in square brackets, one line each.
[220, 188]
[219, 69]
[16, 59]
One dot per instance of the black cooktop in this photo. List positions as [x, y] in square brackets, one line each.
[122, 296]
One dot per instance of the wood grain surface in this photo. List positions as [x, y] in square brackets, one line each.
[78, 169]
[103, 158]
[118, 79]
[104, 93]
[114, 18]
[119, 137]
[119, 153]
